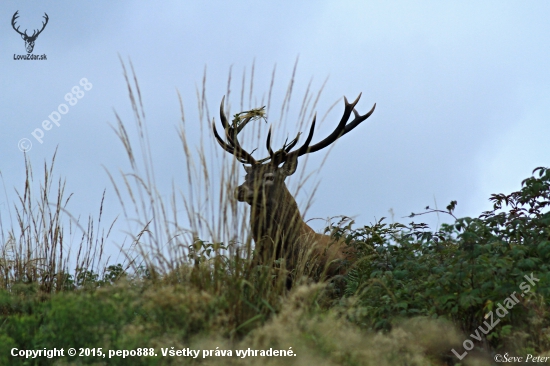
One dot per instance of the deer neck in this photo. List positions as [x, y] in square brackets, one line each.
[277, 220]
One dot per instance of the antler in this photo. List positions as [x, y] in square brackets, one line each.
[341, 129]
[13, 19]
[35, 34]
[233, 147]
[43, 26]
[285, 154]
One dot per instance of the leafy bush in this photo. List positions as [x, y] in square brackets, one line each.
[462, 271]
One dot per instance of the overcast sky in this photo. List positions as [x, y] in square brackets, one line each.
[462, 92]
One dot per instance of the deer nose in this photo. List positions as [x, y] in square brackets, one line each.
[244, 194]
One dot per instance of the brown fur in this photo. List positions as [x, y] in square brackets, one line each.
[278, 228]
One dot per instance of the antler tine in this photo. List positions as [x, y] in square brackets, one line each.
[226, 125]
[286, 148]
[268, 144]
[231, 135]
[222, 143]
[238, 153]
[278, 156]
[230, 132]
[13, 20]
[43, 24]
[305, 147]
[223, 119]
[243, 124]
[293, 143]
[358, 119]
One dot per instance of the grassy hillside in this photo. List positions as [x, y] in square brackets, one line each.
[469, 293]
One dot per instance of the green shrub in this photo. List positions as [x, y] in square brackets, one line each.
[462, 271]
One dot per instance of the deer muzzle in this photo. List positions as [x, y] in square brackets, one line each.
[244, 194]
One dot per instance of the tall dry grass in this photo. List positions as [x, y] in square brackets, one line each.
[40, 246]
[209, 246]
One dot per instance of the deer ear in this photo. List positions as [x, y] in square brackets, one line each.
[247, 168]
[290, 165]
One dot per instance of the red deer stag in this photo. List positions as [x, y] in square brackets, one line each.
[277, 225]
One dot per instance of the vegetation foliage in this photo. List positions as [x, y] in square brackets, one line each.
[412, 296]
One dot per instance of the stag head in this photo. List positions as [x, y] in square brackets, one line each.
[264, 182]
[29, 40]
